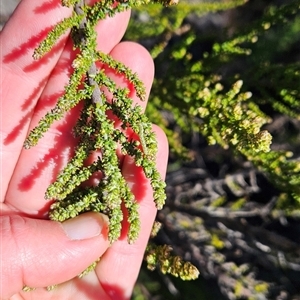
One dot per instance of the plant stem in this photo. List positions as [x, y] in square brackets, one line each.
[91, 73]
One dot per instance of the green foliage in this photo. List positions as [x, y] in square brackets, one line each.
[27, 289]
[228, 83]
[96, 131]
[89, 269]
[169, 264]
[225, 109]
[162, 23]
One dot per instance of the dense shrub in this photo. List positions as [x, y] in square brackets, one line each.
[227, 93]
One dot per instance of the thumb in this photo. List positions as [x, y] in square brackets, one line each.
[39, 253]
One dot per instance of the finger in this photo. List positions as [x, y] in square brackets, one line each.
[21, 103]
[140, 62]
[38, 166]
[121, 260]
[22, 79]
[39, 253]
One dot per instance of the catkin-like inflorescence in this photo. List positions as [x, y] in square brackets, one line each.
[95, 130]
[92, 180]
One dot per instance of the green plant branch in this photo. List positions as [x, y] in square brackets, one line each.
[91, 73]
[95, 129]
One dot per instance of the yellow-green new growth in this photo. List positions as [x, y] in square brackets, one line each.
[170, 264]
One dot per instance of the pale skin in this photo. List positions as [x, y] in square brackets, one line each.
[35, 251]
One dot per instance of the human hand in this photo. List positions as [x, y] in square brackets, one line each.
[35, 251]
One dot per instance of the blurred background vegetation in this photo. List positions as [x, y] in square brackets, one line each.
[227, 93]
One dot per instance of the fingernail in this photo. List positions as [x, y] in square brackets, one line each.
[85, 226]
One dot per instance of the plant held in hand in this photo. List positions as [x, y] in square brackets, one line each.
[109, 125]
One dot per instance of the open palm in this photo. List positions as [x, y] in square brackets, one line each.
[35, 251]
